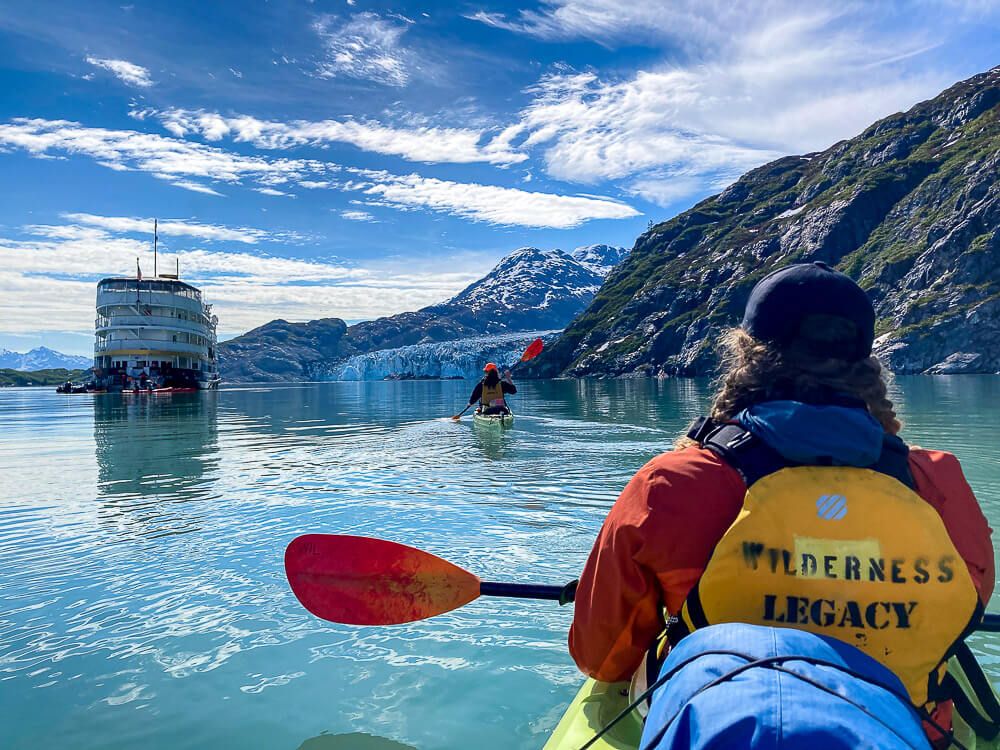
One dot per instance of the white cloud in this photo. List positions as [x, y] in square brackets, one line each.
[365, 46]
[621, 21]
[128, 73]
[595, 131]
[488, 203]
[780, 79]
[175, 228]
[272, 191]
[47, 281]
[179, 162]
[354, 215]
[418, 143]
[194, 187]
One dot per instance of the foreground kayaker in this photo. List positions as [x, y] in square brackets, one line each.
[490, 391]
[796, 505]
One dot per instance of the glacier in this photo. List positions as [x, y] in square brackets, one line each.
[460, 358]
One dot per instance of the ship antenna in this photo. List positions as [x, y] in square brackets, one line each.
[154, 248]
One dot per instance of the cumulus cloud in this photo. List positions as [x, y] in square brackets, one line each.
[128, 73]
[487, 203]
[592, 130]
[418, 143]
[782, 79]
[365, 46]
[47, 280]
[179, 162]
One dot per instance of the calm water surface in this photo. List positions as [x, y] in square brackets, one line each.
[142, 598]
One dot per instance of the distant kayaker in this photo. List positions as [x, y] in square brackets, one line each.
[794, 504]
[490, 391]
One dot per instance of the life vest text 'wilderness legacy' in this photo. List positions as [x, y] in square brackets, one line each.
[845, 552]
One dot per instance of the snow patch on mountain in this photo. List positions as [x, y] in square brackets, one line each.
[601, 259]
[42, 358]
[528, 280]
[461, 358]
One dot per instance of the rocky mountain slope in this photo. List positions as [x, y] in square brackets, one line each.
[280, 350]
[529, 290]
[42, 358]
[910, 208]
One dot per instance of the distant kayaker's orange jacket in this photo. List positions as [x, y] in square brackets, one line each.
[658, 538]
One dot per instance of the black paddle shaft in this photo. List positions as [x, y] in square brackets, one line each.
[990, 624]
[561, 594]
[565, 594]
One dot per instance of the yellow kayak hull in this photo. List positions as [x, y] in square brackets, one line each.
[493, 420]
[594, 706]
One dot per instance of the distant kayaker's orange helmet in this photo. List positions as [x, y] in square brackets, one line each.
[489, 366]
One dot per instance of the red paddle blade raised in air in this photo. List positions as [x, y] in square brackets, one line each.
[361, 581]
[533, 350]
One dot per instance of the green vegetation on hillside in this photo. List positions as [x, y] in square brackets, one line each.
[40, 377]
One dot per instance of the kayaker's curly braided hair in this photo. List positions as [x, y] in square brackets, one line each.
[755, 371]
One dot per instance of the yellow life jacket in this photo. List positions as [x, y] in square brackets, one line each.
[492, 395]
[852, 553]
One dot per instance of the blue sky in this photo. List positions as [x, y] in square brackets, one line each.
[356, 159]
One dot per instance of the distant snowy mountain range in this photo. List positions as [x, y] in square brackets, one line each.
[528, 290]
[42, 358]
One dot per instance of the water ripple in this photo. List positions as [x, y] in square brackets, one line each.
[142, 599]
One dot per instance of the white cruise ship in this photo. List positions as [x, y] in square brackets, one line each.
[153, 334]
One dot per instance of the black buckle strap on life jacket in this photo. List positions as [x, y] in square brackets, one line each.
[738, 447]
[984, 718]
[894, 460]
[700, 429]
[753, 458]
[676, 627]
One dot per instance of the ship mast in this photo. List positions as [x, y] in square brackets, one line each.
[154, 248]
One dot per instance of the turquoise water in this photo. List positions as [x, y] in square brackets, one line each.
[142, 598]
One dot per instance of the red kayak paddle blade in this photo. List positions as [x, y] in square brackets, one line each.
[533, 350]
[361, 581]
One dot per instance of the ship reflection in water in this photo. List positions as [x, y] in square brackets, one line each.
[153, 452]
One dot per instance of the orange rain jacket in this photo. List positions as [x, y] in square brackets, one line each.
[658, 538]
